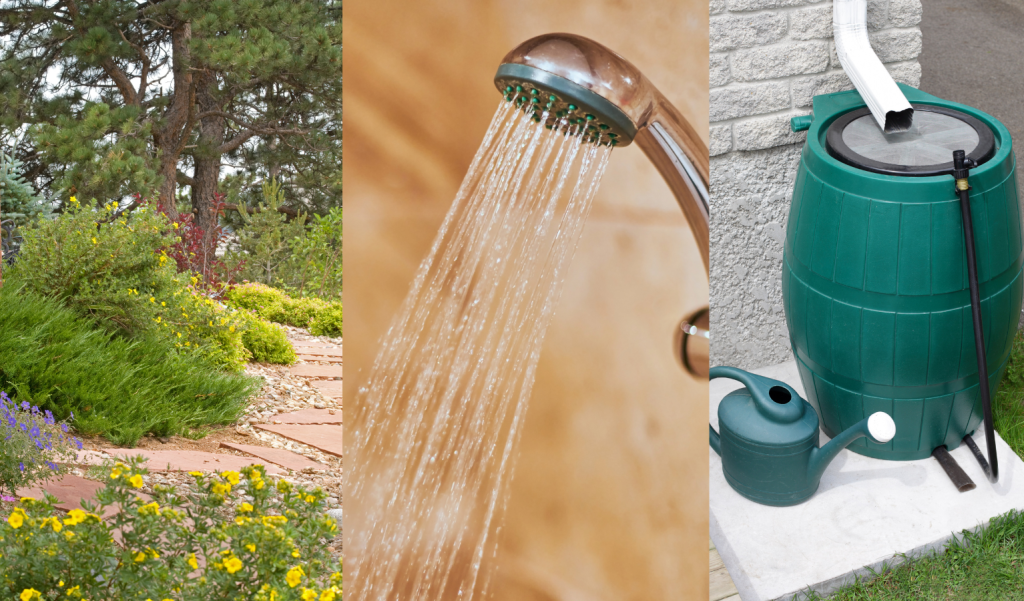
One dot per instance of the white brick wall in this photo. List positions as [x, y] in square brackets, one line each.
[769, 58]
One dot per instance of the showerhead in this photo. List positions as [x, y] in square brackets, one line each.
[573, 84]
[567, 80]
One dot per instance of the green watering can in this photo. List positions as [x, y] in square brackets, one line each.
[769, 441]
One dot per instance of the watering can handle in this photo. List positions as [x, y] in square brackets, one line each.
[760, 389]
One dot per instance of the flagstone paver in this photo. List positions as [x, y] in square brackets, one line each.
[186, 461]
[281, 457]
[327, 438]
[70, 490]
[316, 371]
[319, 351]
[329, 388]
[308, 416]
[320, 359]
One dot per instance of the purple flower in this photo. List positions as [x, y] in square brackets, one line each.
[35, 431]
[64, 427]
[25, 405]
[11, 422]
[24, 427]
[49, 418]
[78, 443]
[51, 465]
[8, 499]
[72, 415]
[21, 466]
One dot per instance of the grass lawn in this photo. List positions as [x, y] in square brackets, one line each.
[987, 566]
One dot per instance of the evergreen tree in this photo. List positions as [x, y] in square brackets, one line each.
[19, 202]
[122, 96]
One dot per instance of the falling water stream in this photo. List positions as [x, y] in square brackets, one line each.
[432, 437]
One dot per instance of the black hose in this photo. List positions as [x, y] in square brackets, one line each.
[960, 167]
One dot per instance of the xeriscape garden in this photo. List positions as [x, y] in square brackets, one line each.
[170, 199]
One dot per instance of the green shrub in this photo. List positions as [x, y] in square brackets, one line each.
[33, 445]
[186, 547]
[328, 322]
[100, 265]
[274, 305]
[261, 299]
[115, 269]
[266, 342]
[52, 357]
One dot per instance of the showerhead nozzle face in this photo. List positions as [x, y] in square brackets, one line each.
[575, 84]
[564, 105]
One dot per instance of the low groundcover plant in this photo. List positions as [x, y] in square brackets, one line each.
[266, 543]
[33, 445]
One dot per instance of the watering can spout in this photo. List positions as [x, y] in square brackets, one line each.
[879, 427]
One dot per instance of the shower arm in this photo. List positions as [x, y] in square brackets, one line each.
[681, 157]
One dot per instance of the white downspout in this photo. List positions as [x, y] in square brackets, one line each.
[888, 105]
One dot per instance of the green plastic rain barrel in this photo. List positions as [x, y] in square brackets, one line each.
[874, 276]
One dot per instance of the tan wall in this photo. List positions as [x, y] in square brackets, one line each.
[609, 499]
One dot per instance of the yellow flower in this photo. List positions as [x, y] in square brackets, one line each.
[179, 334]
[163, 304]
[74, 592]
[327, 595]
[136, 481]
[308, 594]
[232, 564]
[259, 484]
[60, 583]
[192, 562]
[310, 498]
[251, 547]
[195, 474]
[244, 508]
[140, 557]
[294, 576]
[175, 226]
[16, 519]
[53, 522]
[152, 300]
[73, 199]
[30, 593]
[295, 552]
[240, 520]
[150, 509]
[220, 488]
[69, 535]
[94, 240]
[115, 473]
[231, 477]
[231, 328]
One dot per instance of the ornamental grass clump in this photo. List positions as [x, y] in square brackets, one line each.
[239, 537]
[33, 445]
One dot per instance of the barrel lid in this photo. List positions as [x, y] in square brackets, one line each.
[925, 149]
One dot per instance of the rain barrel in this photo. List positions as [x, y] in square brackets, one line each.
[874, 276]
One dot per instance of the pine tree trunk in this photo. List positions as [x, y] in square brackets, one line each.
[168, 187]
[207, 158]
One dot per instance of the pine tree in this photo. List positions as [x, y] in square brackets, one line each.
[121, 97]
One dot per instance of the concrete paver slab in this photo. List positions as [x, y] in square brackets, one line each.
[281, 457]
[867, 512]
[327, 438]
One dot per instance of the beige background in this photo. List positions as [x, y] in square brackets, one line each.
[609, 500]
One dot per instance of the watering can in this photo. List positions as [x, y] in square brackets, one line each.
[769, 440]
